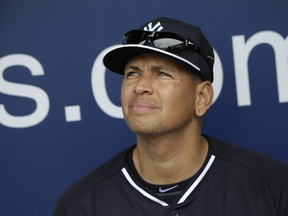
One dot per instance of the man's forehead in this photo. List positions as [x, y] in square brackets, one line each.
[153, 60]
[156, 58]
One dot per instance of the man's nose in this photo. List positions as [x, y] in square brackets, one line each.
[144, 85]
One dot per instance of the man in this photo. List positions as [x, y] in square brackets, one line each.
[174, 169]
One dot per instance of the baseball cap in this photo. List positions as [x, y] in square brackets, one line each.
[170, 37]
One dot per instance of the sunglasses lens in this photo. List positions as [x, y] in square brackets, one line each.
[163, 43]
[161, 40]
[135, 37]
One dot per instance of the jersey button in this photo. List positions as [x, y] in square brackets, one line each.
[175, 213]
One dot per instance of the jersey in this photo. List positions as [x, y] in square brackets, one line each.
[232, 182]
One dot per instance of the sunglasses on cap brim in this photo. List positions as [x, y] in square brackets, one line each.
[161, 40]
[166, 41]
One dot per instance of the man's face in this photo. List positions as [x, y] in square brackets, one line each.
[158, 95]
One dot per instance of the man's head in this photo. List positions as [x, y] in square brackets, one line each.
[167, 77]
[173, 38]
[162, 95]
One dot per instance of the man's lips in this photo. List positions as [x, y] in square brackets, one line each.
[142, 106]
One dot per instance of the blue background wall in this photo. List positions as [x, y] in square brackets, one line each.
[49, 65]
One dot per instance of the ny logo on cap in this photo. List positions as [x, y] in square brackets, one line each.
[157, 27]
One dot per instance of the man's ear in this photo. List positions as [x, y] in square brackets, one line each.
[204, 98]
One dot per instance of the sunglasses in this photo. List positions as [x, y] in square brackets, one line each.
[161, 40]
[167, 41]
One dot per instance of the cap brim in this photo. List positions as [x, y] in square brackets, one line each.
[116, 59]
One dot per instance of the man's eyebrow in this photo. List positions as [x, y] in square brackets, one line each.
[132, 67]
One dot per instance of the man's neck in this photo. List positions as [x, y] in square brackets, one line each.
[167, 161]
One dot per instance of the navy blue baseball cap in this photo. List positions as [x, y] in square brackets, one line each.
[170, 37]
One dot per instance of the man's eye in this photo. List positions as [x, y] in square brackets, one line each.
[161, 73]
[131, 73]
